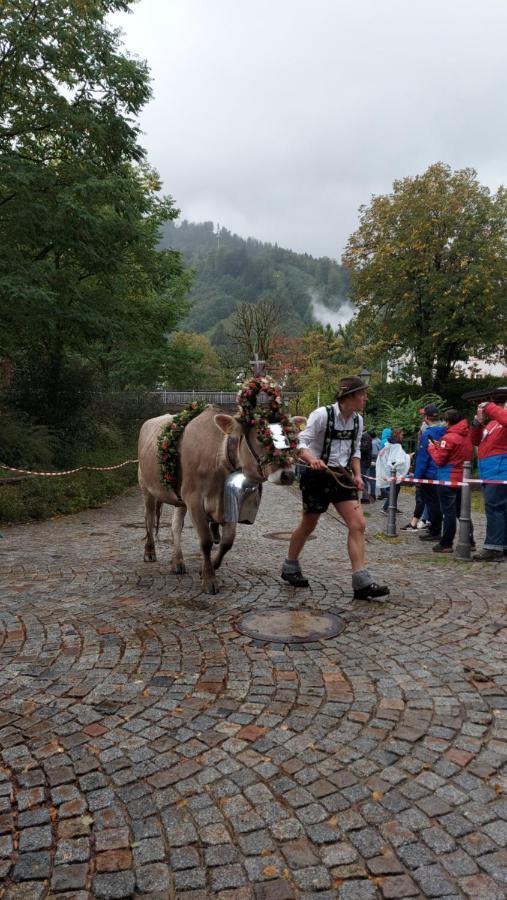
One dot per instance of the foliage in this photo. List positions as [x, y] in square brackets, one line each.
[404, 414]
[168, 440]
[254, 328]
[329, 356]
[39, 498]
[230, 270]
[429, 272]
[190, 362]
[80, 269]
[23, 444]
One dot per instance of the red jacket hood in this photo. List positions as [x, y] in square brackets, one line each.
[461, 427]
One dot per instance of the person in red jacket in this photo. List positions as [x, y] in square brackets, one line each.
[489, 434]
[449, 453]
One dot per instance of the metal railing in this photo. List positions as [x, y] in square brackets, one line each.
[218, 398]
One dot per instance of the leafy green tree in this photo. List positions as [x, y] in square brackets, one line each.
[80, 211]
[191, 363]
[429, 272]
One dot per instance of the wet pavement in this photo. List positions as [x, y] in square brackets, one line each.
[150, 749]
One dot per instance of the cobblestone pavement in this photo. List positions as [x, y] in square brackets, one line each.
[149, 749]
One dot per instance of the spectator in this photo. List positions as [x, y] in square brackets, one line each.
[426, 468]
[386, 432]
[391, 455]
[489, 434]
[366, 457]
[375, 447]
[420, 516]
[449, 454]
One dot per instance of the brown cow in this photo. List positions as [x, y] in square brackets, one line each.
[207, 456]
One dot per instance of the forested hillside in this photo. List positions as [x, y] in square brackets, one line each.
[230, 270]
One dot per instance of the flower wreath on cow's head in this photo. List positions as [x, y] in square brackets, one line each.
[251, 414]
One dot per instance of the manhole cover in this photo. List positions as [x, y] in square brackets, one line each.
[290, 626]
[284, 536]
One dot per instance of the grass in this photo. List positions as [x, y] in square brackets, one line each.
[382, 536]
[38, 498]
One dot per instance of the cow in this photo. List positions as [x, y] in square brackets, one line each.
[212, 446]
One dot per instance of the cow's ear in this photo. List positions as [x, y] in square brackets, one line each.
[299, 422]
[228, 424]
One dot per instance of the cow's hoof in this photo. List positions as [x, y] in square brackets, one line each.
[179, 569]
[211, 587]
[150, 556]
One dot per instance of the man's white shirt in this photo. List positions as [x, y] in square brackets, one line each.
[312, 437]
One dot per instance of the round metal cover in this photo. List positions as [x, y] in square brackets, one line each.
[286, 626]
[284, 536]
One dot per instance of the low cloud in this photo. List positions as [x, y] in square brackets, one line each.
[333, 317]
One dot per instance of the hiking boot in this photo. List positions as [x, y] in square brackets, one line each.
[372, 591]
[486, 555]
[439, 549]
[296, 579]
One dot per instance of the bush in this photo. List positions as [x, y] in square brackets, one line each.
[40, 498]
[23, 444]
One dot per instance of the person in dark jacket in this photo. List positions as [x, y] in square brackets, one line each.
[426, 468]
[449, 453]
[366, 456]
[489, 434]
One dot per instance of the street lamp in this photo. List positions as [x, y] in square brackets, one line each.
[365, 375]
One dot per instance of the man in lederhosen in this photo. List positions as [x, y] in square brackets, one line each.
[330, 448]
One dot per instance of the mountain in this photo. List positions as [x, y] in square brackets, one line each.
[230, 270]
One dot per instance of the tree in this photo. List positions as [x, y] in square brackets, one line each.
[429, 272]
[254, 328]
[80, 271]
[190, 363]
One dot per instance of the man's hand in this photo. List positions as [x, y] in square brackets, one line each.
[359, 483]
[315, 463]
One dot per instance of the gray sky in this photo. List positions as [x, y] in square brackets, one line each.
[279, 118]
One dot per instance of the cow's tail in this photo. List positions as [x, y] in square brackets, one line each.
[158, 509]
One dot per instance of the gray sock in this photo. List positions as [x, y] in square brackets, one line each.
[361, 579]
[291, 566]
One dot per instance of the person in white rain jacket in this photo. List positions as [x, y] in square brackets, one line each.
[392, 454]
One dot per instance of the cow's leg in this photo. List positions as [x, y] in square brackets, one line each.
[158, 510]
[228, 535]
[215, 532]
[150, 516]
[201, 525]
[177, 564]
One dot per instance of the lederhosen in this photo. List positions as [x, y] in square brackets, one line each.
[320, 488]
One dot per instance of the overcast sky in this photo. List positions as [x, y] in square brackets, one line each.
[279, 118]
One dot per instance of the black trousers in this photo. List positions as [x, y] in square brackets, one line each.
[430, 496]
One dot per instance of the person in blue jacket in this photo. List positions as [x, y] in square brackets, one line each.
[425, 467]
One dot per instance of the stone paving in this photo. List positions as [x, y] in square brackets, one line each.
[149, 749]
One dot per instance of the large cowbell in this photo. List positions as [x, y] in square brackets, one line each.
[242, 498]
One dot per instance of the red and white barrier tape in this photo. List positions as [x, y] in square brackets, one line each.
[70, 471]
[410, 480]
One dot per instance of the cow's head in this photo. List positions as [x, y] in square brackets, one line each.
[267, 450]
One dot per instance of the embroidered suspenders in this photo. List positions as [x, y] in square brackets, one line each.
[334, 434]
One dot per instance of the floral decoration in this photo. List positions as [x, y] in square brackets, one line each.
[168, 442]
[251, 415]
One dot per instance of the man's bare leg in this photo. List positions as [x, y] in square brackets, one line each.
[364, 587]
[291, 570]
[301, 534]
[352, 515]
